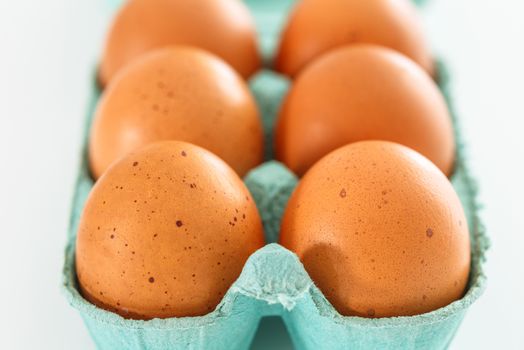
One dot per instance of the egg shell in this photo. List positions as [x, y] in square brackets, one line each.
[317, 26]
[380, 230]
[363, 92]
[165, 232]
[177, 93]
[225, 28]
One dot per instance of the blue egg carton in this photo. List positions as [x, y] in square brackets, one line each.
[274, 286]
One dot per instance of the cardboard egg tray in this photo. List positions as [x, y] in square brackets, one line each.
[273, 281]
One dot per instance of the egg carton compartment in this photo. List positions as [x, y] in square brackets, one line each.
[273, 281]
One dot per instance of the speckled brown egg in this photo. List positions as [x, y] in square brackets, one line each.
[165, 232]
[177, 93]
[317, 26]
[380, 230]
[363, 92]
[224, 27]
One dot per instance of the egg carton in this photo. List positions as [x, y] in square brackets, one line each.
[273, 281]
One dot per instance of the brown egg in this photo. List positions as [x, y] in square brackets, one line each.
[165, 232]
[380, 230]
[178, 93]
[223, 27]
[363, 92]
[317, 26]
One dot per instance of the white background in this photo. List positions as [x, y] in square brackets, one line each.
[47, 53]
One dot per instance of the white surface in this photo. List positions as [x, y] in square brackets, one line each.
[47, 51]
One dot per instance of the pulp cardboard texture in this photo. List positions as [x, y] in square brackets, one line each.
[273, 281]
